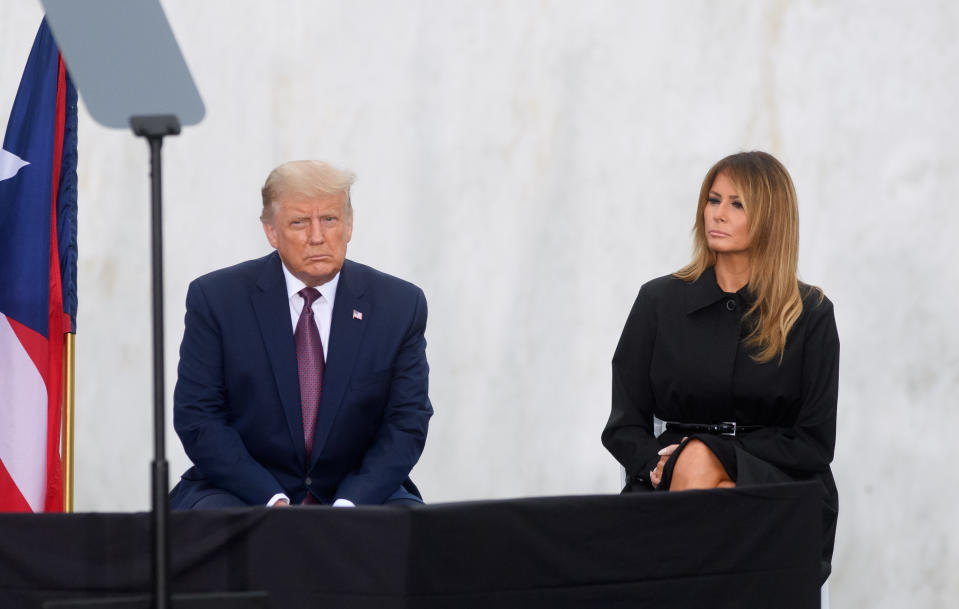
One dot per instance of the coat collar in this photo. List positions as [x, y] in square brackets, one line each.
[272, 308]
[704, 291]
[352, 280]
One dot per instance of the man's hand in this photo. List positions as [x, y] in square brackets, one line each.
[281, 503]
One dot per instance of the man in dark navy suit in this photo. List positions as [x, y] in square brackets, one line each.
[303, 375]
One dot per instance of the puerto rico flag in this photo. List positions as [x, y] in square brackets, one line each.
[38, 253]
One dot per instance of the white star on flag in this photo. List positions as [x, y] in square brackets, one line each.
[357, 315]
[10, 164]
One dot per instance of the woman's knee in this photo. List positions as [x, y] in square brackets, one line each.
[698, 465]
[695, 454]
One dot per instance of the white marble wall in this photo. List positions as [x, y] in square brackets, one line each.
[530, 164]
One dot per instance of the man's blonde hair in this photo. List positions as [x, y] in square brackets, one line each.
[306, 179]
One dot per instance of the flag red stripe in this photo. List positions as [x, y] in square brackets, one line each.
[11, 500]
[33, 343]
[54, 376]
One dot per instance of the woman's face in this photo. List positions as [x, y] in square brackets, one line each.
[725, 218]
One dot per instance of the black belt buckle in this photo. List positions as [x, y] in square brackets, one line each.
[727, 428]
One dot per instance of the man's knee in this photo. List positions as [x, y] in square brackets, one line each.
[403, 497]
[218, 501]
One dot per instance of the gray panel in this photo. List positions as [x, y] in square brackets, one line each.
[124, 60]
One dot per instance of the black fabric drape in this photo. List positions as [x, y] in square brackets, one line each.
[723, 548]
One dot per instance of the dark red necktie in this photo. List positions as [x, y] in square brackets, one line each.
[310, 365]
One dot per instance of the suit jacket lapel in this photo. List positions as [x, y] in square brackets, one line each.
[346, 335]
[272, 307]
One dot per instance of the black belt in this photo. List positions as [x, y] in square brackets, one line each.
[726, 428]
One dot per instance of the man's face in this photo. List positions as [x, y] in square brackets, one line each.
[311, 235]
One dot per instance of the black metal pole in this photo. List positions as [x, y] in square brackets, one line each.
[154, 128]
[161, 560]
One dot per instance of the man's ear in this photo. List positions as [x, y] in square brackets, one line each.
[270, 231]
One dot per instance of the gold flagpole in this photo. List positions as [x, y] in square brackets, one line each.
[66, 436]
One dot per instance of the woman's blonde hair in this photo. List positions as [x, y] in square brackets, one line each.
[772, 216]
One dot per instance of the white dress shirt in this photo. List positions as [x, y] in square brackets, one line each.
[323, 315]
[322, 306]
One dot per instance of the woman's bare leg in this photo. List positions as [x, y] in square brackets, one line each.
[698, 467]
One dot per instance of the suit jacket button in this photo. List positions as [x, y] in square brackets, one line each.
[308, 481]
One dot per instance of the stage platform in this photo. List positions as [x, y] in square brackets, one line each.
[744, 547]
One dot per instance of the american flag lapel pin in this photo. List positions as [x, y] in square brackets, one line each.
[357, 315]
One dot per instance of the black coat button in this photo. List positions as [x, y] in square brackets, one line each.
[308, 481]
[730, 305]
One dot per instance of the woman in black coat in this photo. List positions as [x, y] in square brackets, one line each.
[736, 356]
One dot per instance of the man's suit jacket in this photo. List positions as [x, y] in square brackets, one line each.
[236, 406]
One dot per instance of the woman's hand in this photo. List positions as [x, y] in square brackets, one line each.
[656, 474]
